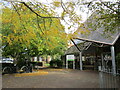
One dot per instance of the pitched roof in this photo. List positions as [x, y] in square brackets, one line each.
[97, 35]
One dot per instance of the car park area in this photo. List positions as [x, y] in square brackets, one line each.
[52, 78]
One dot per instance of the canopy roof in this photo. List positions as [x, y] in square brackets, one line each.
[82, 46]
[92, 35]
[97, 35]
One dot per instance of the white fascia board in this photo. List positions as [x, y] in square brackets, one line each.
[84, 39]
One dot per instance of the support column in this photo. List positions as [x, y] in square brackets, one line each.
[81, 68]
[113, 60]
[66, 64]
[73, 64]
[102, 62]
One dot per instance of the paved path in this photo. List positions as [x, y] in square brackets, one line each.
[53, 78]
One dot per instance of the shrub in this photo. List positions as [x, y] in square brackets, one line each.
[53, 63]
[59, 63]
[56, 63]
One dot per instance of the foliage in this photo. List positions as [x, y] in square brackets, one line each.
[56, 63]
[34, 28]
[59, 63]
[52, 63]
[106, 14]
[26, 34]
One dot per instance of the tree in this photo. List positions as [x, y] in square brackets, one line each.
[32, 24]
[70, 11]
[25, 33]
[108, 10]
[107, 14]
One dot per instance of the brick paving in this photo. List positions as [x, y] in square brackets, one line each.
[56, 78]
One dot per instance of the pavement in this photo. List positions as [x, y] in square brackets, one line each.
[52, 78]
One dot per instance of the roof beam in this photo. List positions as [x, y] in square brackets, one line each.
[76, 45]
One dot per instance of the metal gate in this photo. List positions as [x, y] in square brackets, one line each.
[107, 80]
[107, 77]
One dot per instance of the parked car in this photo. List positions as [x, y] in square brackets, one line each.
[7, 65]
[7, 60]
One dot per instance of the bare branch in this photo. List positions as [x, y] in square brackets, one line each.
[36, 12]
[39, 25]
[64, 7]
[44, 24]
[108, 6]
[18, 14]
[46, 12]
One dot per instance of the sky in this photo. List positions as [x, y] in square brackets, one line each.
[84, 15]
[58, 10]
[50, 1]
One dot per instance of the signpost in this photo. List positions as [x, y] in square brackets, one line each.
[70, 58]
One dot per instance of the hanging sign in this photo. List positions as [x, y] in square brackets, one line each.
[70, 57]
